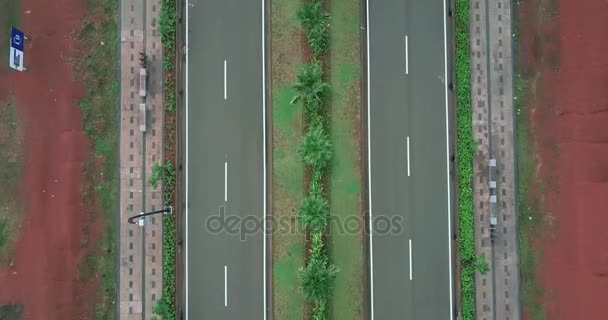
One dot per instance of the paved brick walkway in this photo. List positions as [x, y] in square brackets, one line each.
[493, 125]
[140, 248]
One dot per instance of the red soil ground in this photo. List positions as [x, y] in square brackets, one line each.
[48, 252]
[570, 125]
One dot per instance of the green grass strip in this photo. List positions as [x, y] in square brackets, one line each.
[100, 70]
[465, 152]
[346, 248]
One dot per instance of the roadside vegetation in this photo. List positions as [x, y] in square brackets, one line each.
[11, 157]
[465, 153]
[530, 216]
[97, 66]
[288, 246]
[11, 312]
[9, 16]
[317, 277]
[165, 174]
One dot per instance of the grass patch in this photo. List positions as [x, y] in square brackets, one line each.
[345, 176]
[98, 67]
[12, 311]
[11, 157]
[9, 17]
[530, 216]
[465, 152]
[287, 170]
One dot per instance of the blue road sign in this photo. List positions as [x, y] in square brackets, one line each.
[17, 39]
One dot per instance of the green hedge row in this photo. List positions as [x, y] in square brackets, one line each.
[466, 147]
[166, 308]
[316, 151]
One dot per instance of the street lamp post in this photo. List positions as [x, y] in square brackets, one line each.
[166, 210]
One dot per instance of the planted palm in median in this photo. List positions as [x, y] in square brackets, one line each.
[312, 91]
[319, 275]
[315, 21]
[316, 148]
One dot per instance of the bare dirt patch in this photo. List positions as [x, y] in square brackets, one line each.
[562, 49]
[56, 232]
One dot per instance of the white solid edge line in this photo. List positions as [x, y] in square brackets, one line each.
[225, 76]
[447, 149]
[410, 259]
[407, 64]
[225, 181]
[369, 171]
[408, 156]
[225, 286]
[264, 151]
[186, 251]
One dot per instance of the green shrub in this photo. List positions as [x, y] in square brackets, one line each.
[316, 148]
[313, 213]
[165, 307]
[465, 151]
[312, 91]
[319, 275]
[168, 23]
[482, 265]
[315, 21]
[157, 175]
[320, 311]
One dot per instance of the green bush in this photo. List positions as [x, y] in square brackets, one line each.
[315, 21]
[482, 265]
[168, 23]
[157, 175]
[313, 213]
[465, 151]
[165, 308]
[312, 91]
[320, 311]
[319, 275]
[316, 148]
[11, 311]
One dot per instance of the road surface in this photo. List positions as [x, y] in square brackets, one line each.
[225, 158]
[408, 155]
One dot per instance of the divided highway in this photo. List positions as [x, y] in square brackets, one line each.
[225, 158]
[411, 275]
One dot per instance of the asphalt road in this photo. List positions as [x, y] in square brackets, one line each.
[225, 158]
[407, 98]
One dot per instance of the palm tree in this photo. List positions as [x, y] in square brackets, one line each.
[312, 14]
[318, 279]
[311, 89]
[313, 213]
[316, 148]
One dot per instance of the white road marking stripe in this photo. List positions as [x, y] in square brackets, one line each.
[186, 173]
[225, 76]
[408, 156]
[225, 286]
[264, 143]
[407, 63]
[447, 151]
[410, 259]
[369, 171]
[225, 181]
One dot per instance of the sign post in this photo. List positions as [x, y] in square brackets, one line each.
[16, 52]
